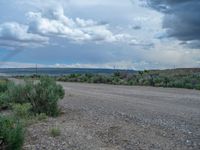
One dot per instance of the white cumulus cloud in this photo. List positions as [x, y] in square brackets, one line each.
[55, 23]
[46, 25]
[14, 35]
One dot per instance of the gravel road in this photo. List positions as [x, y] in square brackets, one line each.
[109, 117]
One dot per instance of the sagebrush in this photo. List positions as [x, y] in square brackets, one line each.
[11, 133]
[43, 95]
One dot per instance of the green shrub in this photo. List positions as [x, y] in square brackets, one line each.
[22, 110]
[130, 82]
[41, 117]
[42, 95]
[197, 86]
[47, 94]
[19, 93]
[3, 85]
[117, 74]
[4, 101]
[55, 131]
[11, 133]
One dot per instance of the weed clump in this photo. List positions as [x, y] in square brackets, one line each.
[54, 132]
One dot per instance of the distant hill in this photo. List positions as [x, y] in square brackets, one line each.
[64, 71]
[177, 71]
[57, 71]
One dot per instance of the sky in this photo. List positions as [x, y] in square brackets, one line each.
[124, 34]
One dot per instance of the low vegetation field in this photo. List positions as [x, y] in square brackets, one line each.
[178, 78]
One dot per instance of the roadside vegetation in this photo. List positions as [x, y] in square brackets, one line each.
[28, 102]
[55, 131]
[178, 78]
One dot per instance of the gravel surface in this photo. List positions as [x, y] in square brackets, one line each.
[108, 117]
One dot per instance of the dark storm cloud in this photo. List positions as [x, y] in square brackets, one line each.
[166, 5]
[181, 20]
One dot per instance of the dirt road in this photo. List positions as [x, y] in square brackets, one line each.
[108, 117]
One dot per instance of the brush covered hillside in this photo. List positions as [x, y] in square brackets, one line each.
[178, 71]
[179, 78]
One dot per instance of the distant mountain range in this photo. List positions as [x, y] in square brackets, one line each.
[56, 71]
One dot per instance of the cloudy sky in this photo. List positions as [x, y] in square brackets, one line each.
[126, 34]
